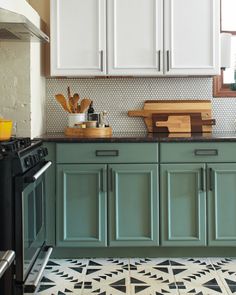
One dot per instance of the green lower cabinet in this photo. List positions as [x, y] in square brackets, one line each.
[133, 205]
[183, 205]
[222, 204]
[81, 205]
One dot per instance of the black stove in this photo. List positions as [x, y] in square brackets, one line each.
[24, 152]
[22, 212]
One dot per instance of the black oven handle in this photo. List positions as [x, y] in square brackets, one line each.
[38, 173]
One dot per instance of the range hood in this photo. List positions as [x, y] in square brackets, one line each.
[17, 27]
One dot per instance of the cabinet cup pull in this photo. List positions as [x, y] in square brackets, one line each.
[107, 153]
[206, 152]
[202, 187]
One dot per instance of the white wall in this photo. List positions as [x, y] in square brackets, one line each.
[38, 92]
[15, 84]
[22, 87]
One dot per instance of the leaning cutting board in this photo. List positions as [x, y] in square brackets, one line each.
[173, 106]
[179, 122]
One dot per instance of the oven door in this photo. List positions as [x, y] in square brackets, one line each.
[30, 235]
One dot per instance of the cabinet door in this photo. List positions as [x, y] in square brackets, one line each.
[81, 205]
[183, 205]
[78, 34]
[222, 204]
[133, 205]
[192, 37]
[135, 37]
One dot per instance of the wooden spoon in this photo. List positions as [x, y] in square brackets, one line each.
[84, 105]
[68, 92]
[75, 102]
[63, 102]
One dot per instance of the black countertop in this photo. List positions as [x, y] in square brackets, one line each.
[143, 137]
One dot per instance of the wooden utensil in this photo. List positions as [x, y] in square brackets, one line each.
[75, 102]
[68, 92]
[63, 102]
[84, 105]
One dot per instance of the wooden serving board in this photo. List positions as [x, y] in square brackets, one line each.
[172, 107]
[88, 132]
[179, 122]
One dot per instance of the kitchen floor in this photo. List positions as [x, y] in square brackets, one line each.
[143, 276]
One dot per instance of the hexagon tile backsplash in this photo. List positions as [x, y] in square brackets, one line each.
[118, 95]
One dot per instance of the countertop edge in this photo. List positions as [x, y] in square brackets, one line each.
[141, 138]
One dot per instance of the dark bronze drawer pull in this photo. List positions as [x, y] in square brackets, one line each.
[202, 180]
[206, 152]
[107, 153]
[211, 179]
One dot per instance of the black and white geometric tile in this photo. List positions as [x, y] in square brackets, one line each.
[142, 276]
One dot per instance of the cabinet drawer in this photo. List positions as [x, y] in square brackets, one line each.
[107, 153]
[198, 152]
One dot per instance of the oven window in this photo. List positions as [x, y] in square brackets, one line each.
[39, 207]
[34, 225]
[29, 220]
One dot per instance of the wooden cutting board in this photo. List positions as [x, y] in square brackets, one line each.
[179, 122]
[173, 106]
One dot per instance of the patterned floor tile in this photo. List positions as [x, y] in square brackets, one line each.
[142, 276]
[211, 287]
[107, 262]
[158, 278]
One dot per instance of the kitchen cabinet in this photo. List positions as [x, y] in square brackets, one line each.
[191, 34]
[81, 205]
[78, 37]
[90, 176]
[134, 206]
[198, 194]
[142, 37]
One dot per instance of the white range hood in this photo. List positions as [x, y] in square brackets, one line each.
[20, 22]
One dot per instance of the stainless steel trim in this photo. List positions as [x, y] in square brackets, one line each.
[107, 153]
[206, 152]
[101, 60]
[40, 172]
[6, 261]
[16, 27]
[32, 285]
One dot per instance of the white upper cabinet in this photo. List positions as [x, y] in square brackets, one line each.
[135, 37]
[142, 37]
[192, 31]
[78, 37]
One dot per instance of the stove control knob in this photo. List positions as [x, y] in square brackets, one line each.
[27, 162]
[40, 153]
[45, 151]
[36, 158]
